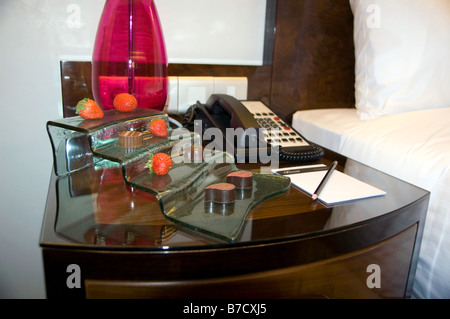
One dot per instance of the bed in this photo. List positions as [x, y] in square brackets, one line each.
[400, 122]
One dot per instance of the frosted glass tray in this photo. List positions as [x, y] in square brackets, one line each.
[79, 143]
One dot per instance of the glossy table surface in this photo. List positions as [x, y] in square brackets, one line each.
[96, 209]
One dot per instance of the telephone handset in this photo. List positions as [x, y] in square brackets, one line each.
[256, 126]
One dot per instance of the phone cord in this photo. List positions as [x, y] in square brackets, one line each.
[305, 156]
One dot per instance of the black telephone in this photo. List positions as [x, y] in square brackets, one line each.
[255, 126]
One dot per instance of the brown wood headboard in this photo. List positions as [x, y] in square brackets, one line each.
[312, 67]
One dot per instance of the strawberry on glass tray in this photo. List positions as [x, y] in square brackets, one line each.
[78, 144]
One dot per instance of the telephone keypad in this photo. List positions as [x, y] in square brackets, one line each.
[277, 131]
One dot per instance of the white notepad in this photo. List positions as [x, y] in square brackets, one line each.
[339, 188]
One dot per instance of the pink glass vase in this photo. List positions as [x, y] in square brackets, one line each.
[130, 55]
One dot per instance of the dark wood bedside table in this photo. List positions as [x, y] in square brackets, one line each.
[101, 239]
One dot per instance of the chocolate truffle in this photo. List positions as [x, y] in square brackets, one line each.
[130, 139]
[221, 193]
[241, 179]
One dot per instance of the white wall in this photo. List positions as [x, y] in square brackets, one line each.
[36, 35]
[214, 32]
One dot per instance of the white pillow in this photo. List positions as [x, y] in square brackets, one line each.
[402, 56]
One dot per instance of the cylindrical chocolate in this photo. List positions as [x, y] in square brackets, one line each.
[130, 139]
[241, 179]
[222, 193]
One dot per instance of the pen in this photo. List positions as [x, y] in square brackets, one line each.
[324, 181]
[302, 170]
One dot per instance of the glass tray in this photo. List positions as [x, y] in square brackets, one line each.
[78, 144]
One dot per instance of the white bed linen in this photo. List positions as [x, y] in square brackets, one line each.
[401, 55]
[325, 127]
[412, 146]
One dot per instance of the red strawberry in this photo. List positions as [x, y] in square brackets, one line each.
[160, 163]
[159, 128]
[125, 102]
[88, 109]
